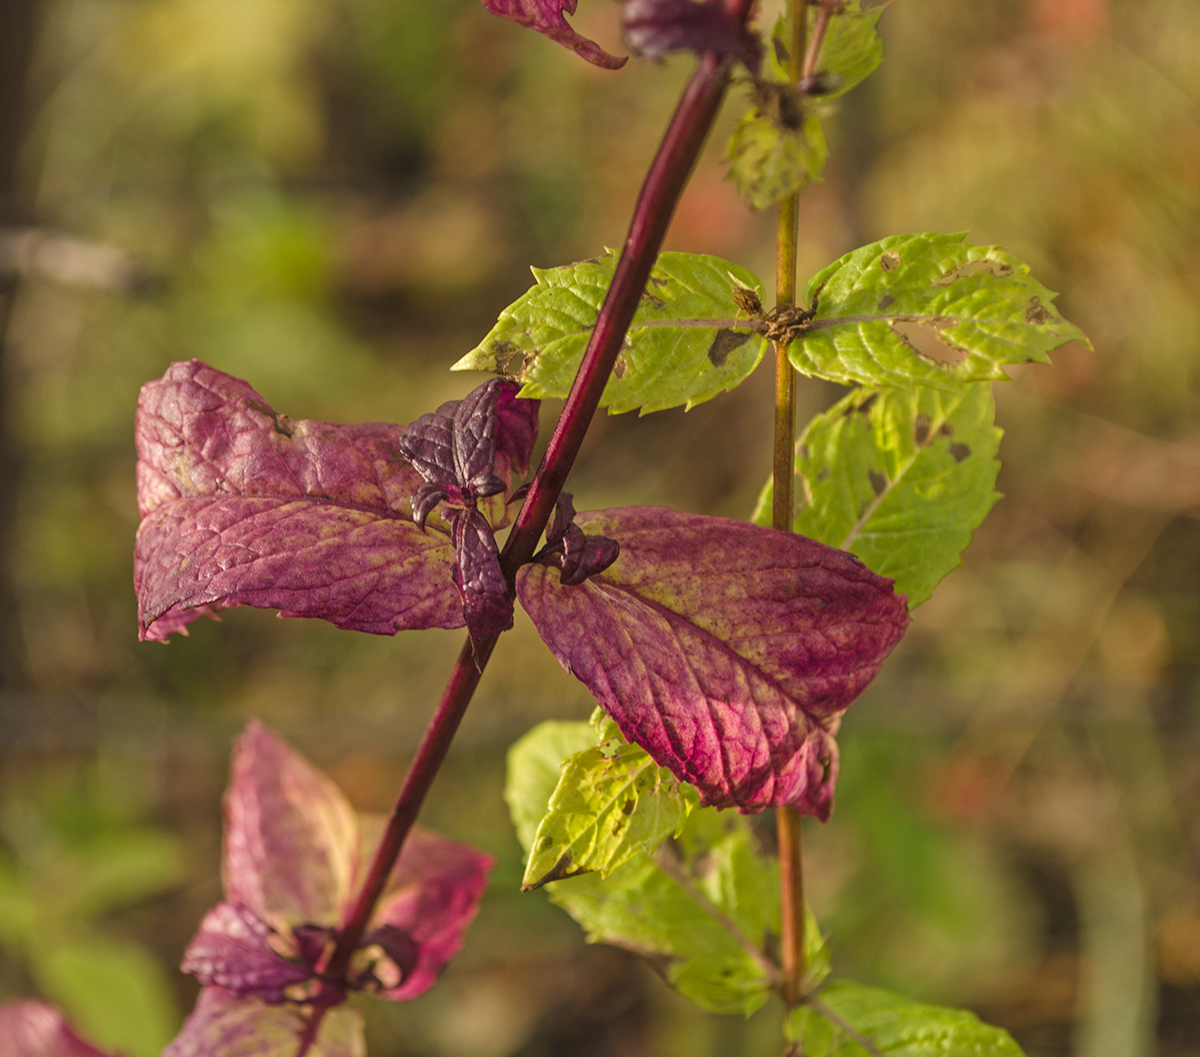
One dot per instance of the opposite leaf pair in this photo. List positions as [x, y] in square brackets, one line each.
[727, 651]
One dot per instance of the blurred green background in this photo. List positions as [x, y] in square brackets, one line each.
[334, 200]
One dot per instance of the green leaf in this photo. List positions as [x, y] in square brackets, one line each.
[116, 994]
[902, 479]
[926, 309]
[611, 802]
[688, 342]
[853, 48]
[534, 765]
[776, 149]
[701, 908]
[847, 1020]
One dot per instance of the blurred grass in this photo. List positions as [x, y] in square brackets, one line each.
[334, 201]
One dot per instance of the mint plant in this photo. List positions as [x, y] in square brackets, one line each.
[722, 654]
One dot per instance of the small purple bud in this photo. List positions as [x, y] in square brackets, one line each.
[655, 27]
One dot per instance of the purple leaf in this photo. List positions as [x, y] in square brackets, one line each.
[294, 859]
[242, 506]
[725, 650]
[575, 555]
[546, 17]
[516, 431]
[655, 27]
[431, 896]
[36, 1029]
[232, 950]
[291, 838]
[223, 1025]
[487, 605]
[475, 440]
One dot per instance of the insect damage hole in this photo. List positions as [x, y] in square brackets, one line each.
[997, 269]
[926, 340]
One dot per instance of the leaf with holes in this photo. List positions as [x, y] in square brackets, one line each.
[848, 1020]
[689, 339]
[725, 650]
[926, 309]
[611, 802]
[902, 479]
[701, 908]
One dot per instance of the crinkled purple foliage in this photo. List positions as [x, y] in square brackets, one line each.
[653, 28]
[36, 1029]
[242, 506]
[727, 651]
[294, 857]
[547, 18]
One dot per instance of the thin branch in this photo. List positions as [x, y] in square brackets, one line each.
[669, 863]
[656, 204]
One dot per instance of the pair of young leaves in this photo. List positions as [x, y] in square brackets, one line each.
[728, 651]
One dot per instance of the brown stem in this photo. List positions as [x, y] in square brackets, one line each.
[655, 206]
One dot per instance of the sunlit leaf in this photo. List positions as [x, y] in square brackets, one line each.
[224, 1026]
[701, 909]
[926, 309]
[727, 651]
[848, 1020]
[611, 802]
[900, 478]
[689, 340]
[853, 48]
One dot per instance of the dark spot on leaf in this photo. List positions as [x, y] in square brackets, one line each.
[283, 424]
[724, 343]
[803, 452]
[628, 806]
[926, 340]
[964, 271]
[946, 430]
[1037, 312]
[657, 302]
[823, 474]
[921, 427]
[886, 302]
[889, 262]
[510, 361]
[659, 281]
[545, 843]
[558, 872]
[959, 451]
[878, 482]
[620, 367]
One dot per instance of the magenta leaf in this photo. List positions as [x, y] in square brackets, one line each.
[516, 432]
[35, 1029]
[224, 1025]
[727, 651]
[232, 950]
[431, 896]
[294, 858]
[547, 18]
[242, 506]
[487, 605]
[655, 27]
[575, 554]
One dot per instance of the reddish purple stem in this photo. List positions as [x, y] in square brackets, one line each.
[655, 207]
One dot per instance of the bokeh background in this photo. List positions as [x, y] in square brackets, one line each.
[334, 199]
